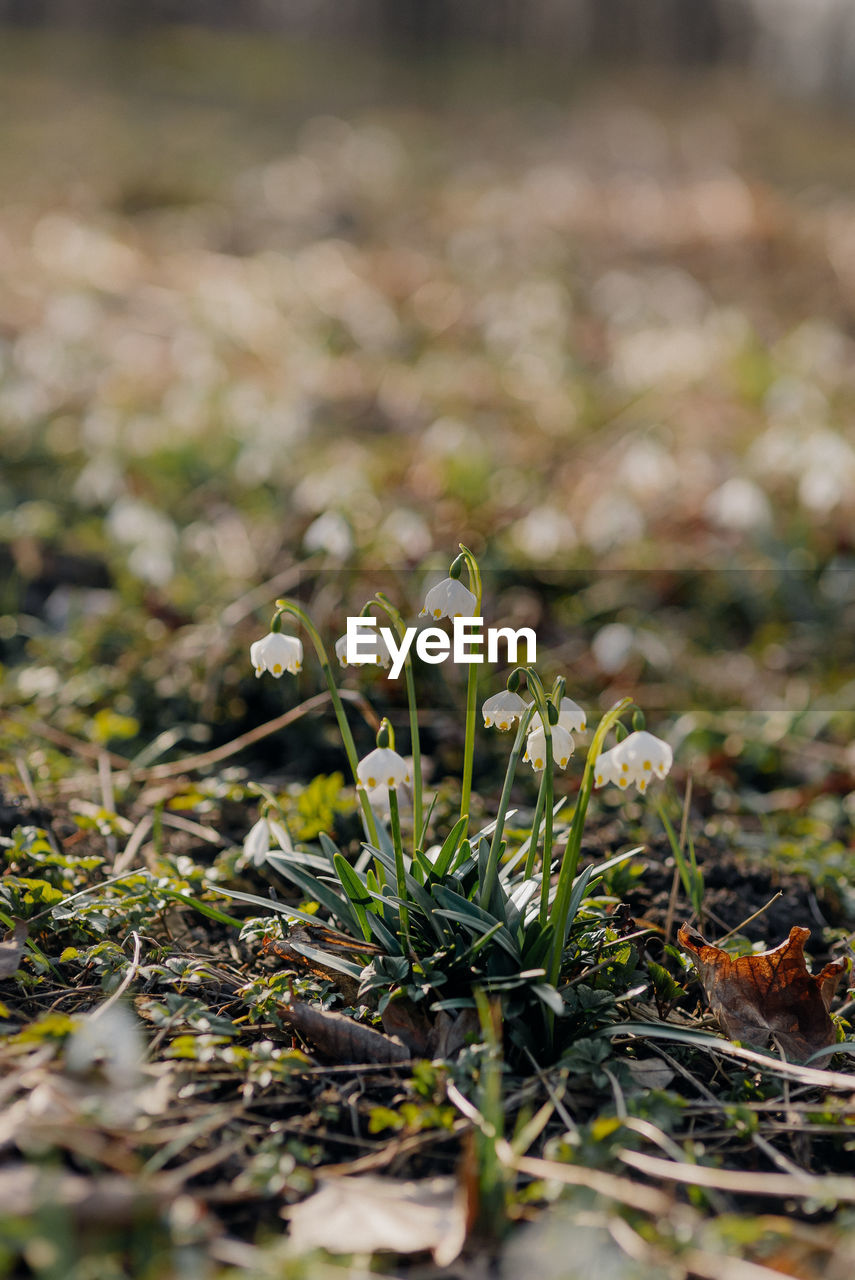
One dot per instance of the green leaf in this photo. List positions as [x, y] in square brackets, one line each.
[337, 905]
[449, 848]
[355, 890]
[327, 959]
[269, 904]
[550, 997]
[204, 908]
[456, 907]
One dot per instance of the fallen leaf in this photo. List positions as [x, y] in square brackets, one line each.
[340, 1038]
[426, 1037]
[650, 1073]
[758, 997]
[12, 948]
[369, 1213]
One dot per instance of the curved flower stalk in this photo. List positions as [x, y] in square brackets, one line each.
[295, 610]
[384, 767]
[570, 717]
[415, 740]
[375, 644]
[547, 714]
[491, 872]
[450, 599]
[570, 860]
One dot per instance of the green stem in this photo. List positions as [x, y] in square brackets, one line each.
[546, 804]
[570, 860]
[290, 606]
[400, 878]
[471, 693]
[492, 869]
[535, 832]
[415, 740]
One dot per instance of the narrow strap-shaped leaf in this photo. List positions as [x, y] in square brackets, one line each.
[355, 889]
[475, 914]
[329, 847]
[281, 908]
[511, 865]
[417, 892]
[334, 902]
[496, 931]
[423, 833]
[327, 959]
[449, 849]
[537, 943]
[550, 997]
[480, 942]
[279, 858]
[580, 884]
[384, 936]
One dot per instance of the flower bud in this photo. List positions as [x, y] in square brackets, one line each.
[457, 567]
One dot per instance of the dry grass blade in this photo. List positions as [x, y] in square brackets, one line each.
[743, 1182]
[612, 1186]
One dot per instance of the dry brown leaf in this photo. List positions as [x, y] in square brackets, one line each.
[341, 1039]
[12, 948]
[369, 1213]
[426, 1037]
[768, 995]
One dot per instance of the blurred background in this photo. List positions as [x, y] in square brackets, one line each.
[292, 303]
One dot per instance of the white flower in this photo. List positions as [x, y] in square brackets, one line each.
[535, 747]
[382, 767]
[256, 846]
[449, 599]
[260, 840]
[570, 717]
[503, 709]
[277, 653]
[372, 642]
[647, 754]
[637, 759]
[609, 767]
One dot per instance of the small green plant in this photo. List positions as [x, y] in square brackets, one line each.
[473, 915]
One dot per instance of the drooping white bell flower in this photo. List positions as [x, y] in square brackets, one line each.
[371, 642]
[637, 759]
[647, 754]
[449, 599]
[256, 846]
[264, 836]
[570, 717]
[535, 747]
[276, 653]
[608, 767]
[503, 709]
[382, 767]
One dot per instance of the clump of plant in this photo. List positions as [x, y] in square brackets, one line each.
[420, 926]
